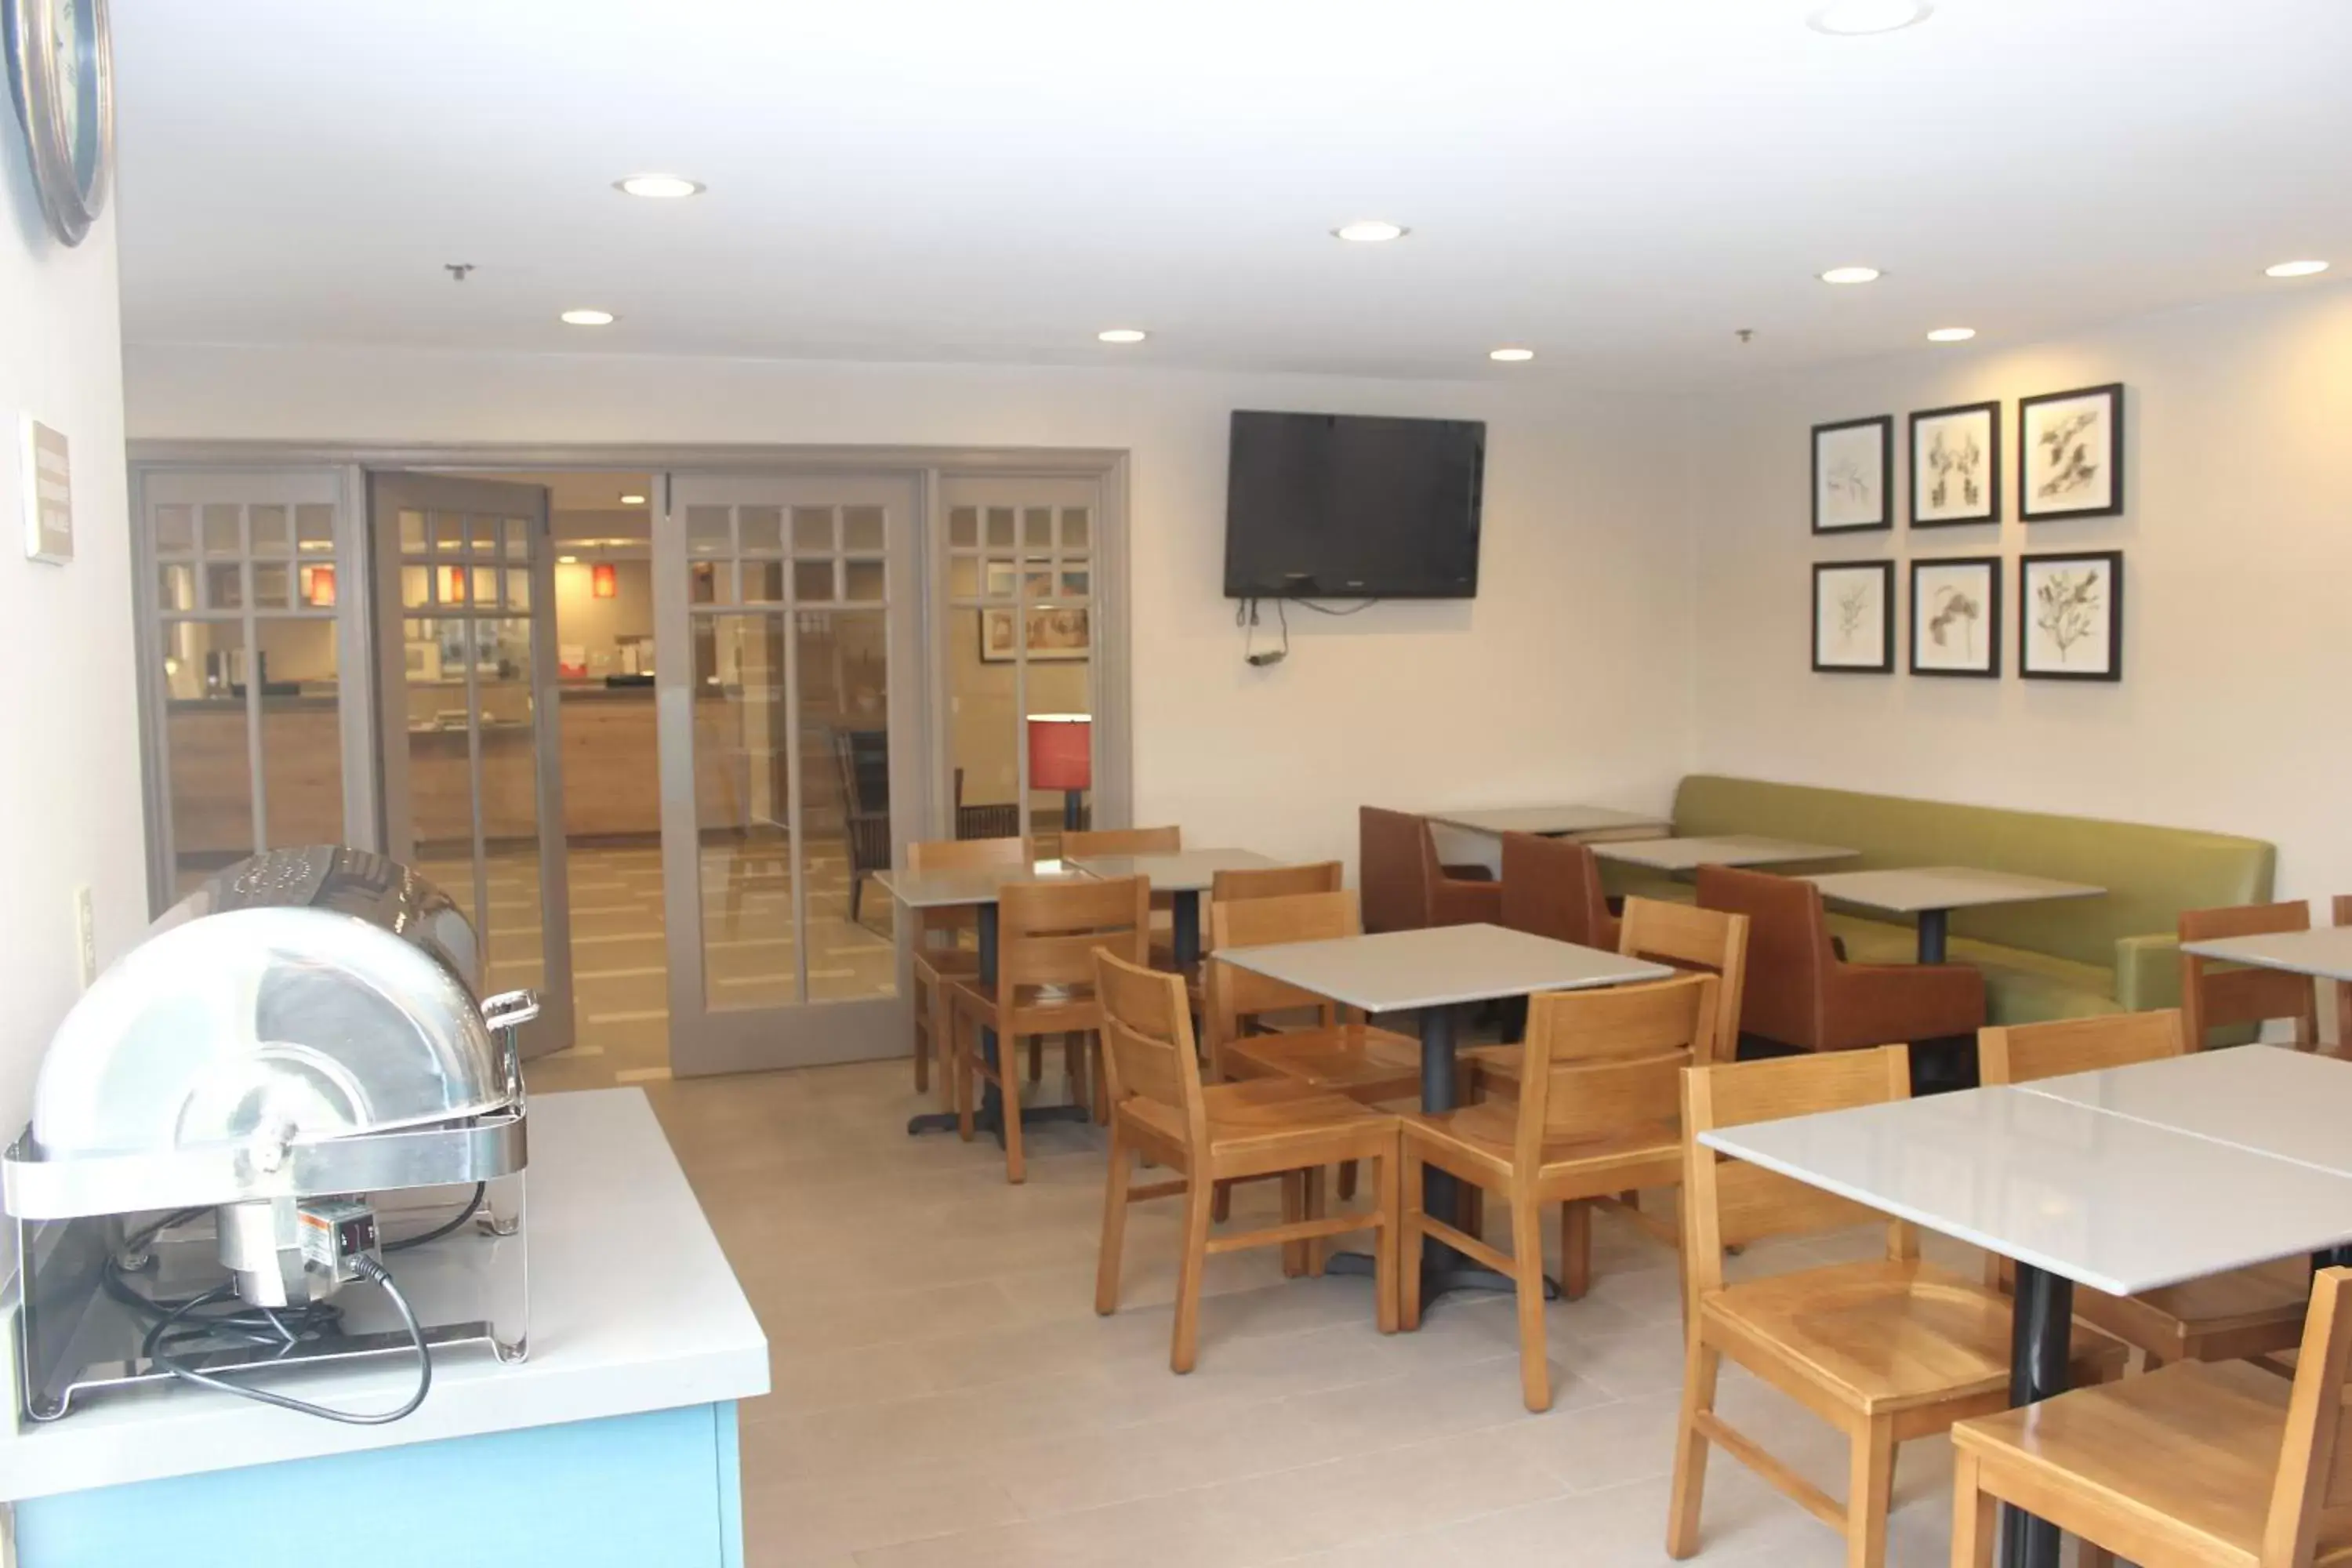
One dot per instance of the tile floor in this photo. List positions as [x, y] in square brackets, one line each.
[945, 1394]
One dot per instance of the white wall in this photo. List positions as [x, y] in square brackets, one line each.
[2238, 557]
[1569, 676]
[70, 795]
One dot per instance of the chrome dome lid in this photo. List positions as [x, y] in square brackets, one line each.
[301, 996]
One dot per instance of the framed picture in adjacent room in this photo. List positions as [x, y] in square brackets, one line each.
[1854, 616]
[1956, 617]
[2070, 615]
[2070, 454]
[1854, 468]
[1956, 466]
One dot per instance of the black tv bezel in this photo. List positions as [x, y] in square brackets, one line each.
[1308, 589]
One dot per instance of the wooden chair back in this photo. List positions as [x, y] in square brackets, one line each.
[1551, 887]
[2214, 994]
[2020, 1053]
[2311, 1503]
[1230, 887]
[2341, 913]
[1147, 1035]
[1396, 856]
[1713, 942]
[1048, 932]
[1789, 952]
[962, 855]
[1729, 1203]
[1604, 1062]
[1236, 996]
[1076, 844]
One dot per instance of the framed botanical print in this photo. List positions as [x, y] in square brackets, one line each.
[1853, 467]
[1854, 616]
[2070, 454]
[2070, 615]
[1956, 466]
[1956, 617]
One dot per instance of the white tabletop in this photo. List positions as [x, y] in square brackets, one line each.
[2326, 951]
[1732, 849]
[1183, 871]
[1549, 820]
[632, 1308]
[2293, 1105]
[2104, 1200]
[1908, 889]
[1391, 972]
[979, 885]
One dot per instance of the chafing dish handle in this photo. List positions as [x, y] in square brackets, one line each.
[507, 1013]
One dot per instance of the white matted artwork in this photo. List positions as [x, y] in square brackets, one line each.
[1956, 617]
[1956, 466]
[2070, 615]
[1854, 462]
[2070, 454]
[1854, 616]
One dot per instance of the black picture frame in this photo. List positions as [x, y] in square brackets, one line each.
[2033, 616]
[1924, 617]
[2111, 458]
[1921, 471]
[1885, 424]
[1884, 571]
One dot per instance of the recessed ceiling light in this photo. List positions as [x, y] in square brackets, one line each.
[567, 561]
[1510, 356]
[1951, 334]
[1850, 274]
[1122, 335]
[2296, 270]
[589, 318]
[633, 500]
[659, 187]
[1854, 18]
[1371, 231]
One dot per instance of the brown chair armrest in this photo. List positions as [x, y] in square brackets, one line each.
[1454, 902]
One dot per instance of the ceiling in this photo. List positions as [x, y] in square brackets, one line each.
[1620, 187]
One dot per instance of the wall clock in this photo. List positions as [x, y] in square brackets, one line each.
[62, 75]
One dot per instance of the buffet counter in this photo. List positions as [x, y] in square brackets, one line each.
[613, 1444]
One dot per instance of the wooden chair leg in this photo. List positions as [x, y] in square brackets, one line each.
[1409, 1214]
[1526, 1260]
[1870, 1494]
[1073, 1067]
[1347, 1180]
[1036, 1058]
[1700, 1364]
[1386, 1243]
[1314, 1206]
[926, 1028]
[1575, 1249]
[1186, 1346]
[1976, 1523]
[1008, 1081]
[1222, 1206]
[1114, 1227]
[959, 1069]
[1294, 1209]
[1098, 1076]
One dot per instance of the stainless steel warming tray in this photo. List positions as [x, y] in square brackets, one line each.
[291, 1078]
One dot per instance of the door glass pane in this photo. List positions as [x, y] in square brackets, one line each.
[843, 673]
[314, 529]
[812, 582]
[963, 527]
[514, 535]
[223, 585]
[175, 587]
[763, 530]
[515, 937]
[1074, 528]
[302, 747]
[449, 530]
[273, 585]
[271, 529]
[742, 812]
[812, 530]
[1060, 767]
[211, 764]
[440, 775]
[861, 528]
[763, 582]
[1037, 530]
[221, 531]
[175, 530]
[1000, 528]
[411, 532]
[864, 585]
[708, 531]
[983, 727]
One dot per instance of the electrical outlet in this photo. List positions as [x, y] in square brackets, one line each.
[85, 936]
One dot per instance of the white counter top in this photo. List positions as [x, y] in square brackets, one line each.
[632, 1308]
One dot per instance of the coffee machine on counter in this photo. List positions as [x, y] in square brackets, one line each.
[285, 1129]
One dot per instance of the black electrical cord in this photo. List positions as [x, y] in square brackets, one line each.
[472, 1207]
[160, 1336]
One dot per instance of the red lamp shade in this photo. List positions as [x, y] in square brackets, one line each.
[603, 580]
[1060, 751]
[318, 586]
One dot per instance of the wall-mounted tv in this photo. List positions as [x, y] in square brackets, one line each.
[1346, 506]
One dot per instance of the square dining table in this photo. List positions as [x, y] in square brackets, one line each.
[1727, 849]
[2074, 1193]
[1438, 972]
[1551, 821]
[1932, 892]
[2323, 953]
[1185, 874]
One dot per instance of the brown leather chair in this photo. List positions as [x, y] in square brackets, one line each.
[1551, 887]
[1404, 887]
[1800, 993]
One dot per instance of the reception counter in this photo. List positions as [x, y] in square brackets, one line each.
[612, 1445]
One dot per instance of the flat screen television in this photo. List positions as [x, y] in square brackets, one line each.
[1348, 506]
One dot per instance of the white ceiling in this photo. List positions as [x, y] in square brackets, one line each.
[1619, 185]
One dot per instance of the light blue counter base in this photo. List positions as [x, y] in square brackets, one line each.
[655, 1490]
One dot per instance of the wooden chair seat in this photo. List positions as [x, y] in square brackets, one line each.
[1348, 1058]
[1883, 1336]
[1478, 1142]
[1259, 1126]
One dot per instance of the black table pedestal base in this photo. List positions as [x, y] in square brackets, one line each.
[992, 1121]
[2041, 1335]
[1456, 1273]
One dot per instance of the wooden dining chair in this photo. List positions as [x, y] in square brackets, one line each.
[2341, 913]
[1231, 887]
[1406, 887]
[2253, 1311]
[1340, 1052]
[2218, 995]
[1046, 934]
[1886, 1349]
[1551, 887]
[1598, 1114]
[1213, 1135]
[937, 949]
[2203, 1464]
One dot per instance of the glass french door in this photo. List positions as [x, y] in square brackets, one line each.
[787, 624]
[471, 731]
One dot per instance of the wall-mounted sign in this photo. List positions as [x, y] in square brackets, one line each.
[49, 493]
